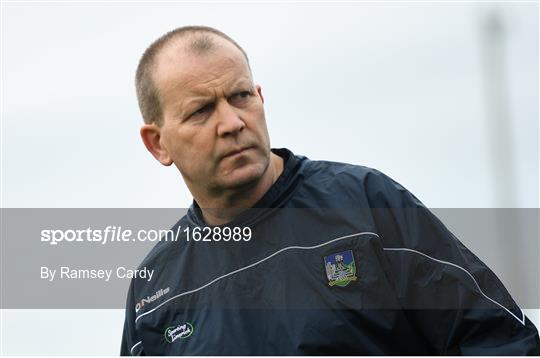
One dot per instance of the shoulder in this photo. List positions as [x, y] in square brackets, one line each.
[162, 261]
[167, 247]
[378, 188]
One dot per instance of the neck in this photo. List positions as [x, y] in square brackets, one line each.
[229, 205]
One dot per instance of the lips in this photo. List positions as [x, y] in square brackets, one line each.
[236, 152]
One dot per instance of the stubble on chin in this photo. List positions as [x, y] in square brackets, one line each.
[243, 177]
[246, 175]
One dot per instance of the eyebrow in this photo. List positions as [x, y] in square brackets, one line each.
[196, 98]
[241, 82]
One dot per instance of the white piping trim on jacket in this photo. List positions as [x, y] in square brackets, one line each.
[135, 345]
[522, 320]
[252, 265]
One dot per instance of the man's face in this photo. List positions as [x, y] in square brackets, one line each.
[214, 128]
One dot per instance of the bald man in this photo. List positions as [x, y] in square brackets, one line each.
[282, 255]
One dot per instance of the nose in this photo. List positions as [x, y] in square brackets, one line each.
[230, 123]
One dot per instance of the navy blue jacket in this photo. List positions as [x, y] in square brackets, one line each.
[341, 260]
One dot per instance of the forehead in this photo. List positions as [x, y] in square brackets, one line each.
[179, 69]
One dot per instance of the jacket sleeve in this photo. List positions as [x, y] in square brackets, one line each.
[131, 342]
[456, 302]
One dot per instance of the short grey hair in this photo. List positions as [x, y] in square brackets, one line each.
[147, 93]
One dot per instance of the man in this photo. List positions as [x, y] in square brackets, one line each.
[302, 257]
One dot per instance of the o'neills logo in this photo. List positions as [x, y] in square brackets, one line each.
[152, 298]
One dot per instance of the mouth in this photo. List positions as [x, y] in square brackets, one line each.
[236, 152]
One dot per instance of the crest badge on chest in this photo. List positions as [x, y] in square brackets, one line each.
[340, 268]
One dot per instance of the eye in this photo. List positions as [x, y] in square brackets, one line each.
[240, 98]
[201, 111]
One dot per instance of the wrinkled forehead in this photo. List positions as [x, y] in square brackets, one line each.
[180, 65]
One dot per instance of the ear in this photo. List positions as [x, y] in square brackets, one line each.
[259, 91]
[151, 136]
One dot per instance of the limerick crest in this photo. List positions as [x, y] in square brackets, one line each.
[340, 268]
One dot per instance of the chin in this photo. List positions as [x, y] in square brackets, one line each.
[243, 177]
